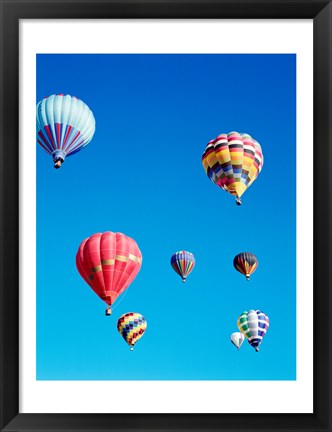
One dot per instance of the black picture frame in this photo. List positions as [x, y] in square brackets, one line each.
[14, 10]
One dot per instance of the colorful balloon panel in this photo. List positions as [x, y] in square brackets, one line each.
[245, 263]
[131, 327]
[183, 263]
[253, 325]
[237, 339]
[108, 262]
[233, 161]
[65, 125]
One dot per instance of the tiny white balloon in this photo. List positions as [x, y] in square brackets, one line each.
[237, 339]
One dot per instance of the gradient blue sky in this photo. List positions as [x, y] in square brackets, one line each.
[142, 175]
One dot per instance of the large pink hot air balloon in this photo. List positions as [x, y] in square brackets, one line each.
[108, 262]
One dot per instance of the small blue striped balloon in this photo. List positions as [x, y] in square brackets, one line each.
[183, 263]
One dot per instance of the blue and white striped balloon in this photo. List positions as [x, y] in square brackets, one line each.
[65, 125]
[253, 325]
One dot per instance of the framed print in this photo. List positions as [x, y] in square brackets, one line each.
[175, 194]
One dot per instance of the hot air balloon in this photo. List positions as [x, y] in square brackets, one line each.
[245, 263]
[237, 339]
[253, 325]
[183, 262]
[131, 327]
[108, 262]
[233, 161]
[65, 125]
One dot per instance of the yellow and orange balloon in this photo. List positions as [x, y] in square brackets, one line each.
[233, 161]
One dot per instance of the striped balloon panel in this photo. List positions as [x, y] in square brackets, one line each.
[253, 325]
[246, 263]
[64, 123]
[183, 262]
[108, 262]
[237, 339]
[131, 327]
[233, 161]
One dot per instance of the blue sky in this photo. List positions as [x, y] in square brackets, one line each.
[142, 175]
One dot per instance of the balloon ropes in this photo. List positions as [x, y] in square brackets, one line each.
[237, 339]
[253, 325]
[131, 327]
[183, 263]
[233, 161]
[108, 262]
[245, 263]
[65, 125]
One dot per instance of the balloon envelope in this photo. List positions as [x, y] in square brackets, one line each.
[108, 262]
[253, 325]
[65, 125]
[131, 327]
[233, 161]
[183, 263]
[237, 339]
[245, 263]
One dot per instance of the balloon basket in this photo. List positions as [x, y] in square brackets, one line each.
[131, 348]
[248, 277]
[57, 164]
[238, 201]
[108, 311]
[184, 280]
